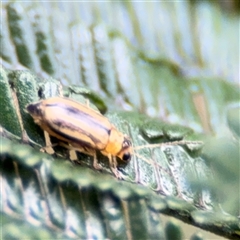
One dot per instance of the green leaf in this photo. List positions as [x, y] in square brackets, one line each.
[167, 60]
[163, 169]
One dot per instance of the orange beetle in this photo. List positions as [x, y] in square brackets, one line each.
[85, 129]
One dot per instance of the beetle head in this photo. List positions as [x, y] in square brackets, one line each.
[126, 152]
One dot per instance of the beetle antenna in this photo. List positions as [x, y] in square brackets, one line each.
[182, 142]
[151, 162]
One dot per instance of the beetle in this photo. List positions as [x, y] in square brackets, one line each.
[83, 128]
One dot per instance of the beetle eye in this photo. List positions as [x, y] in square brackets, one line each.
[126, 157]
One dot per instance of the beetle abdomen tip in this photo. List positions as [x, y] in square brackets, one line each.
[34, 109]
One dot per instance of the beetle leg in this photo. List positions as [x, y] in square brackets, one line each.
[96, 165]
[91, 152]
[113, 165]
[49, 146]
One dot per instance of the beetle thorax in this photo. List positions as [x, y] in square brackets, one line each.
[114, 144]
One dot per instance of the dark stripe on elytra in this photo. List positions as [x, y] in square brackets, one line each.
[72, 139]
[81, 115]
